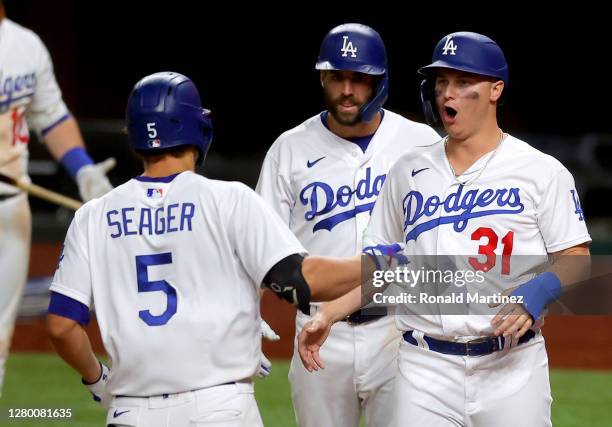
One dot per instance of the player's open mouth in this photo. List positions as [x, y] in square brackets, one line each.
[449, 114]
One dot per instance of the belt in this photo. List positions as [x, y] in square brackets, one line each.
[366, 315]
[477, 347]
[360, 316]
[4, 197]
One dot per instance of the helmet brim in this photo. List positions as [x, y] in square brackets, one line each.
[430, 69]
[356, 67]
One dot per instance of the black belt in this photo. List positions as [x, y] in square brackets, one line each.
[4, 197]
[366, 315]
[477, 347]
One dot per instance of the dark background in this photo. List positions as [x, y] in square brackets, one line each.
[254, 63]
[254, 66]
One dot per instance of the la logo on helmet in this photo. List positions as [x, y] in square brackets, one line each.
[449, 45]
[347, 47]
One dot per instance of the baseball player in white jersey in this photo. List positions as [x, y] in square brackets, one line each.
[323, 178]
[173, 263]
[484, 193]
[29, 95]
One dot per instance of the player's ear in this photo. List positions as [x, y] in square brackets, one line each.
[322, 75]
[496, 90]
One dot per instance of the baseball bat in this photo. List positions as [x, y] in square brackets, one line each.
[42, 193]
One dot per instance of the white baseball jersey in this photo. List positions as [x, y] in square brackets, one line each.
[325, 187]
[515, 200]
[28, 90]
[174, 267]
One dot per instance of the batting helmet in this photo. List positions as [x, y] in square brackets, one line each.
[164, 111]
[462, 51]
[357, 47]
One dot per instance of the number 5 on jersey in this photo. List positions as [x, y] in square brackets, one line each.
[145, 285]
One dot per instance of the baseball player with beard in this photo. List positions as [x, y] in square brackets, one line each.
[173, 263]
[485, 194]
[30, 96]
[323, 178]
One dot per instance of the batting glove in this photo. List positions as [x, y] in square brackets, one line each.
[268, 333]
[387, 257]
[98, 389]
[265, 366]
[92, 180]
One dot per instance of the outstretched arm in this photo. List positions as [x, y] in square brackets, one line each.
[330, 278]
[300, 280]
[315, 332]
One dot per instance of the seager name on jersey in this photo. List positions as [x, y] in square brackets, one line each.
[471, 204]
[323, 199]
[132, 221]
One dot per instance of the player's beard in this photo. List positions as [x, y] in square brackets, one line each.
[352, 119]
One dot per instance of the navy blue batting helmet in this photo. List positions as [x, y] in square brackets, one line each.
[164, 111]
[462, 51]
[359, 48]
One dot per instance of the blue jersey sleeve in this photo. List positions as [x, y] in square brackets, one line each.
[64, 306]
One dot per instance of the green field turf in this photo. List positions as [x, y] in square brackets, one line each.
[581, 398]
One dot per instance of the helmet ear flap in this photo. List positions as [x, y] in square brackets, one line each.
[428, 102]
[369, 110]
[207, 134]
